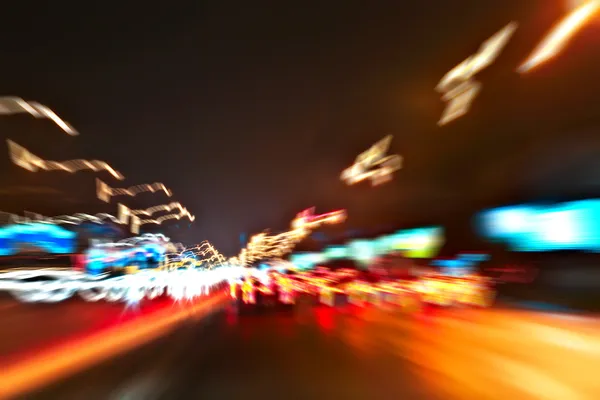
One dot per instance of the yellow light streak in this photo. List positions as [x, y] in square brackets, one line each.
[161, 208]
[263, 246]
[25, 159]
[105, 192]
[184, 213]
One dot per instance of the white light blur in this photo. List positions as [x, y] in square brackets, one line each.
[57, 286]
[373, 164]
[459, 87]
[16, 105]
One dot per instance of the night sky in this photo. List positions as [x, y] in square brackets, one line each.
[250, 110]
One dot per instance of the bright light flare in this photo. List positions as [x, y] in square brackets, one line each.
[16, 105]
[56, 286]
[558, 38]
[25, 159]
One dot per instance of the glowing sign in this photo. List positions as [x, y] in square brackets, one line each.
[334, 252]
[46, 237]
[413, 243]
[567, 226]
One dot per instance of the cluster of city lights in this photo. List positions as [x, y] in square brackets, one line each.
[460, 89]
[192, 272]
[263, 246]
[203, 254]
[463, 290]
[373, 164]
[23, 158]
[54, 286]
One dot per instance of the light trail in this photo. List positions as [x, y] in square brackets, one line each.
[56, 286]
[25, 159]
[16, 105]
[161, 208]
[79, 353]
[182, 213]
[263, 246]
[105, 192]
[385, 166]
[458, 85]
[74, 219]
[558, 38]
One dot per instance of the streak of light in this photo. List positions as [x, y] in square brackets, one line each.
[25, 159]
[373, 157]
[64, 360]
[50, 286]
[163, 207]
[182, 213]
[458, 85]
[105, 192]
[263, 246]
[16, 105]
[201, 255]
[558, 38]
[74, 219]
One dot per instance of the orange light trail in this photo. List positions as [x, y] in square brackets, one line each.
[558, 38]
[64, 360]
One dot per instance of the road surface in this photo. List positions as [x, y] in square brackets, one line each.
[351, 353]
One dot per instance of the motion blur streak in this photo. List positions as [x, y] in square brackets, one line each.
[163, 207]
[496, 353]
[25, 159]
[458, 85]
[181, 213]
[362, 168]
[16, 105]
[105, 192]
[559, 37]
[78, 354]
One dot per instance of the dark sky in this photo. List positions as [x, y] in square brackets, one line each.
[250, 110]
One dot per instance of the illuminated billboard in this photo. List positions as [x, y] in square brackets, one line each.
[42, 237]
[565, 226]
[413, 243]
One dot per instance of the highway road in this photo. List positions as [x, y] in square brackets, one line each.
[352, 353]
